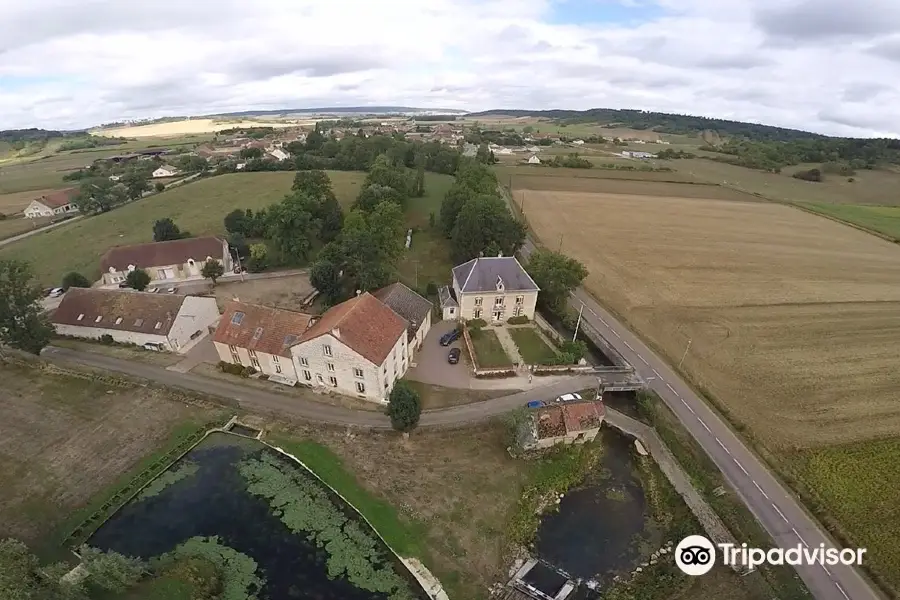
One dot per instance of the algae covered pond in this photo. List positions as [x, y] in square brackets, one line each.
[270, 524]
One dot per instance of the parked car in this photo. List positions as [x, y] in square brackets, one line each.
[450, 337]
[56, 293]
[573, 397]
[171, 290]
[153, 290]
[536, 404]
[123, 285]
[453, 357]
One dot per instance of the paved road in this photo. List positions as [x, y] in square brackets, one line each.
[775, 508]
[27, 234]
[255, 399]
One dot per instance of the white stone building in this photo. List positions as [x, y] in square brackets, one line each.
[165, 171]
[564, 423]
[412, 308]
[60, 202]
[165, 262]
[166, 322]
[494, 289]
[261, 337]
[359, 348]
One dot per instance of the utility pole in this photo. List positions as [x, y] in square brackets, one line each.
[578, 322]
[688, 347]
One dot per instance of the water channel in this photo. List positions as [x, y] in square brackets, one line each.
[213, 500]
[603, 527]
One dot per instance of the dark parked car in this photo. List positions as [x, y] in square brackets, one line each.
[450, 337]
[453, 357]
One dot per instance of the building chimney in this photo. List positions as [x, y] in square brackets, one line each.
[358, 292]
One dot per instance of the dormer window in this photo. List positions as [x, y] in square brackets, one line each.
[80, 317]
[158, 325]
[119, 320]
[499, 284]
[191, 261]
[98, 319]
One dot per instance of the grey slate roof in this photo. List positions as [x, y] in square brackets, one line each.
[445, 297]
[411, 307]
[480, 275]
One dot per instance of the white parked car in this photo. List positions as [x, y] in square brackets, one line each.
[55, 293]
[171, 290]
[573, 397]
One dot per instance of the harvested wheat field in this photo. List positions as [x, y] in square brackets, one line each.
[795, 319]
[178, 128]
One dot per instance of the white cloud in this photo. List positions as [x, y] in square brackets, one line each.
[826, 66]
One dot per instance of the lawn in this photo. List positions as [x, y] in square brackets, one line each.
[489, 353]
[66, 443]
[532, 346]
[14, 226]
[428, 258]
[883, 219]
[198, 207]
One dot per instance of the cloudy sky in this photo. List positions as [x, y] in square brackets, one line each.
[831, 66]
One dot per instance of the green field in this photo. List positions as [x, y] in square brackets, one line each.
[429, 254]
[883, 219]
[837, 483]
[200, 208]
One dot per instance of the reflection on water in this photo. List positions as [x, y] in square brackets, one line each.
[214, 502]
[600, 528]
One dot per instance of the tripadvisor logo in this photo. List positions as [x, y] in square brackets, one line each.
[696, 555]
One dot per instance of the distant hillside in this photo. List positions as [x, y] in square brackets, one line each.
[664, 123]
[28, 135]
[356, 110]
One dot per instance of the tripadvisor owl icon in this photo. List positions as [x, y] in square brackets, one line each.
[695, 555]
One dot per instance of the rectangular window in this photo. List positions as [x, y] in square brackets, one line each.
[307, 375]
[80, 317]
[98, 319]
[235, 357]
[327, 350]
[478, 301]
[498, 301]
[360, 387]
[333, 381]
[237, 318]
[331, 367]
[254, 361]
[517, 311]
[277, 368]
[385, 384]
[358, 373]
[119, 320]
[476, 314]
[275, 359]
[304, 362]
[520, 299]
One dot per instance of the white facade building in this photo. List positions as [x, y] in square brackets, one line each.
[168, 322]
[61, 202]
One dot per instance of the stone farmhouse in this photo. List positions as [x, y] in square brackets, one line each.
[358, 348]
[412, 308]
[60, 202]
[261, 337]
[165, 262]
[563, 423]
[491, 288]
[165, 171]
[166, 322]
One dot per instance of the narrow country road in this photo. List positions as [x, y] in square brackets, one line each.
[28, 234]
[772, 504]
[254, 399]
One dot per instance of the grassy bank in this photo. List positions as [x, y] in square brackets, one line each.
[881, 219]
[707, 478]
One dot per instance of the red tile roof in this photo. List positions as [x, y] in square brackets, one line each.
[159, 254]
[262, 329]
[580, 416]
[58, 198]
[363, 324]
[140, 312]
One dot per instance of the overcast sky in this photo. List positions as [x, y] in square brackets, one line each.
[830, 66]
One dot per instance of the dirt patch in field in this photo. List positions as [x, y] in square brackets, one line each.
[64, 439]
[597, 183]
[794, 319]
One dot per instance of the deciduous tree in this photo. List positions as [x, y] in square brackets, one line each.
[236, 222]
[137, 280]
[23, 324]
[557, 275]
[75, 279]
[404, 407]
[166, 229]
[212, 270]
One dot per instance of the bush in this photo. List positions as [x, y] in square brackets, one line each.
[233, 369]
[160, 186]
[107, 339]
[477, 324]
[431, 289]
[75, 279]
[404, 407]
[520, 320]
[810, 175]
